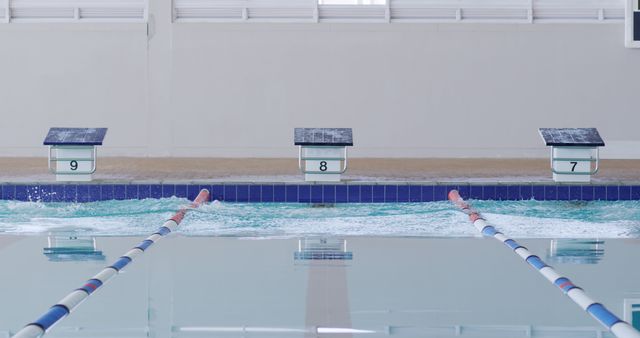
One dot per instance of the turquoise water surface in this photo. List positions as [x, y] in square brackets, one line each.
[523, 219]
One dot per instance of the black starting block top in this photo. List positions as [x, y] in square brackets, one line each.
[323, 137]
[568, 137]
[75, 136]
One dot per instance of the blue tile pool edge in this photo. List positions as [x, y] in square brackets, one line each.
[318, 193]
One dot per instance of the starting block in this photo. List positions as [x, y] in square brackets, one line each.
[575, 152]
[322, 152]
[72, 152]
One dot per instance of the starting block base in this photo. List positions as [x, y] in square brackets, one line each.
[74, 178]
[573, 164]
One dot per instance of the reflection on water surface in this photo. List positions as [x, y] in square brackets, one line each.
[316, 287]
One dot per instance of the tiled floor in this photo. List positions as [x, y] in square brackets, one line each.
[317, 193]
[180, 170]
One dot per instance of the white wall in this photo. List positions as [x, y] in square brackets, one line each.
[238, 90]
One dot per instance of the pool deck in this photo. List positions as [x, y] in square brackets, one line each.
[123, 169]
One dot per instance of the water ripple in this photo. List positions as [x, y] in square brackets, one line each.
[520, 219]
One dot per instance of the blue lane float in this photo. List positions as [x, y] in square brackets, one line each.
[617, 326]
[54, 314]
[65, 306]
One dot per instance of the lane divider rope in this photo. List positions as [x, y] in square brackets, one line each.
[67, 304]
[617, 326]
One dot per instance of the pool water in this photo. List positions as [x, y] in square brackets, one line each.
[233, 287]
[293, 270]
[519, 219]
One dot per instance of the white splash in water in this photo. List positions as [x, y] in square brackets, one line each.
[521, 219]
